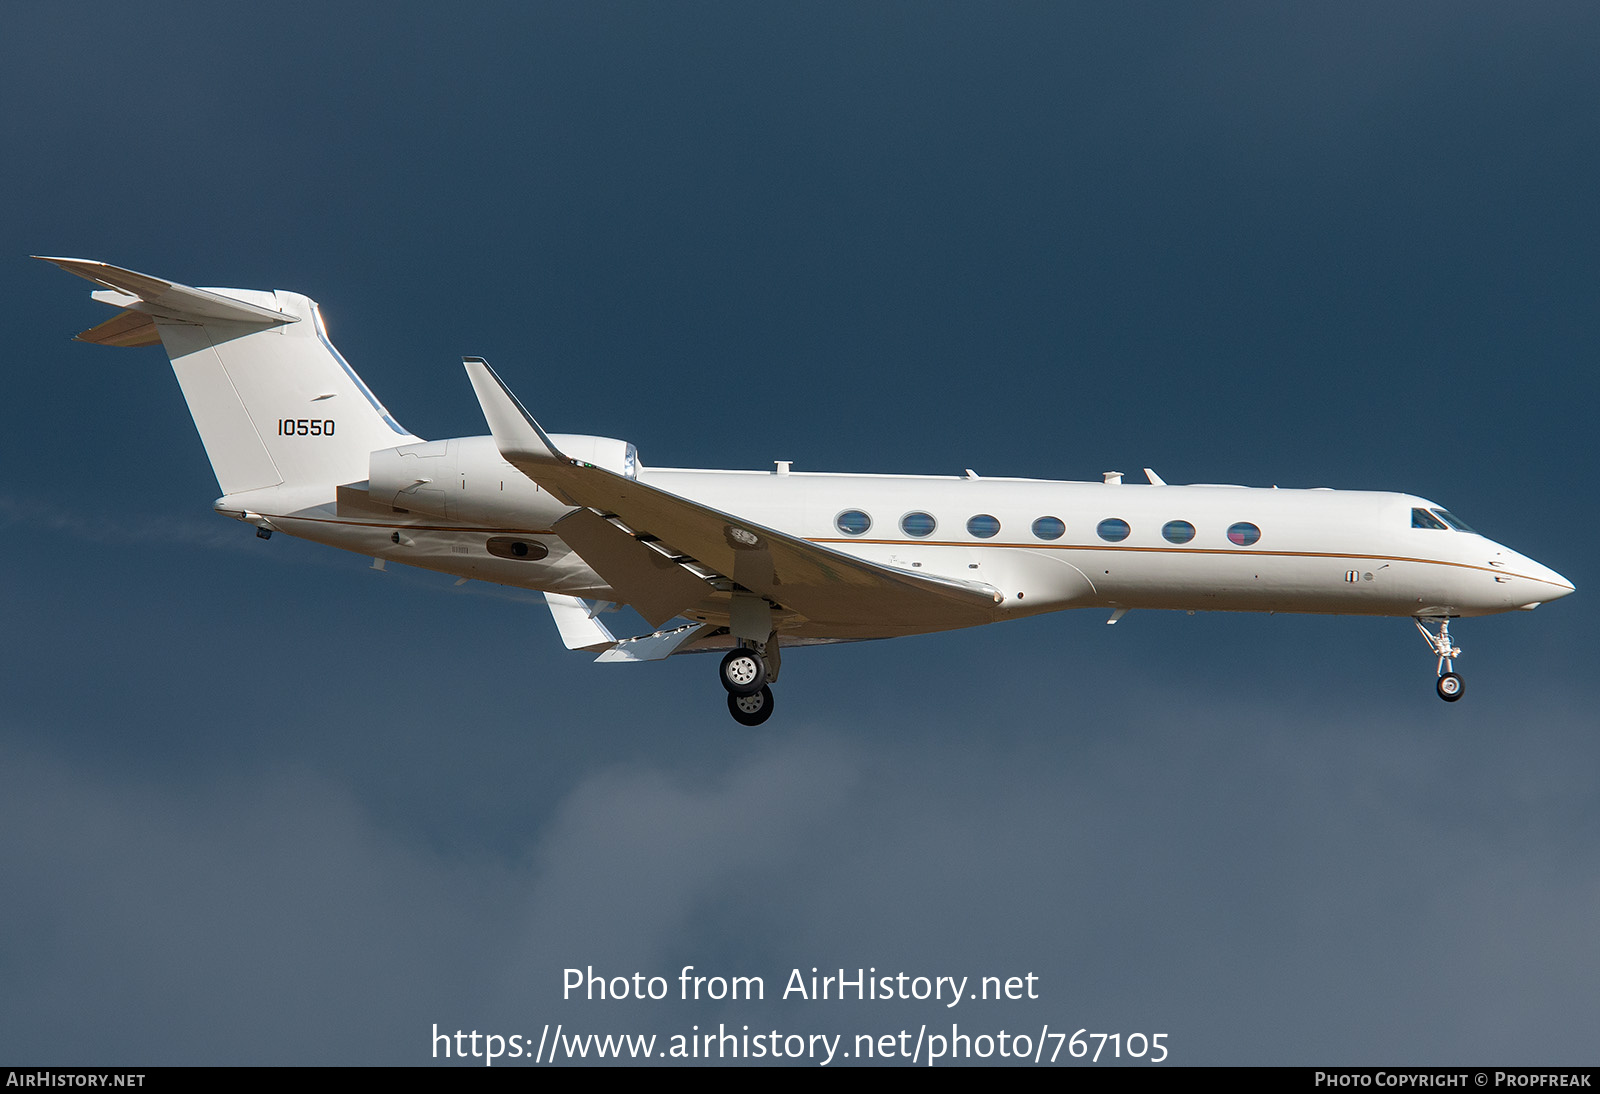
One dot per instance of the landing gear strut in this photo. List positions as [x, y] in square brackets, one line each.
[1450, 686]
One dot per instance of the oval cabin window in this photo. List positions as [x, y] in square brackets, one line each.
[1177, 531]
[1113, 530]
[852, 522]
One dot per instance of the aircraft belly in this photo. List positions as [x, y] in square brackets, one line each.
[462, 552]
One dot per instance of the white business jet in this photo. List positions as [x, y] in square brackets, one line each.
[754, 562]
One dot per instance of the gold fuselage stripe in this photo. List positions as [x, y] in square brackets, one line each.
[1232, 553]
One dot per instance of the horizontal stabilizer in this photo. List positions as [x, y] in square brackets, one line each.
[127, 328]
[142, 293]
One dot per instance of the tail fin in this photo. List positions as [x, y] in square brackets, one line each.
[274, 402]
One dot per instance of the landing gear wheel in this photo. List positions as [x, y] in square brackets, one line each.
[743, 672]
[1450, 685]
[751, 710]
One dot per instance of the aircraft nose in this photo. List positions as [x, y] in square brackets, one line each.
[1534, 580]
[1559, 586]
[1552, 586]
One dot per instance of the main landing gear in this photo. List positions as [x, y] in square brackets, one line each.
[744, 674]
[751, 710]
[1450, 686]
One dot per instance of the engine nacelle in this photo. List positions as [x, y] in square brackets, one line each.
[466, 479]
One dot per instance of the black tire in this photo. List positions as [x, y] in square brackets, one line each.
[1451, 687]
[751, 710]
[743, 671]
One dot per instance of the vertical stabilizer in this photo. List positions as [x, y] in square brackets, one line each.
[274, 402]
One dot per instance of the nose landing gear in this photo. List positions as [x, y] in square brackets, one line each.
[1450, 685]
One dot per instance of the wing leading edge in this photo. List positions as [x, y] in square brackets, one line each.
[817, 582]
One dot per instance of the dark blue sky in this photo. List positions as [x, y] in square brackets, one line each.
[261, 804]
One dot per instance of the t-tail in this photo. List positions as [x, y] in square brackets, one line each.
[275, 403]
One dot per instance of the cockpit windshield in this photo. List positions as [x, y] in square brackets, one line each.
[1437, 519]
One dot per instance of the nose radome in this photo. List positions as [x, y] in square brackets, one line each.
[1560, 586]
[1552, 586]
[1547, 585]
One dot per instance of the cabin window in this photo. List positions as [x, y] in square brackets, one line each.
[1049, 528]
[1113, 529]
[918, 524]
[1421, 518]
[852, 522]
[1452, 520]
[1244, 533]
[983, 526]
[1177, 531]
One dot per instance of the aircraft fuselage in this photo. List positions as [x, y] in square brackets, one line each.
[1043, 545]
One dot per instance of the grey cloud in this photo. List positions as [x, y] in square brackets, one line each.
[1313, 870]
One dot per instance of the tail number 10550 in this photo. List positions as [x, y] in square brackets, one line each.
[305, 427]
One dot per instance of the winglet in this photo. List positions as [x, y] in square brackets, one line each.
[516, 434]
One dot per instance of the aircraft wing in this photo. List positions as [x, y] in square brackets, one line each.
[814, 581]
